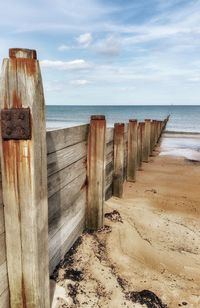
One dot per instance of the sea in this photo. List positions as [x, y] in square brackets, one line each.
[182, 118]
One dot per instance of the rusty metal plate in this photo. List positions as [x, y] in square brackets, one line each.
[15, 124]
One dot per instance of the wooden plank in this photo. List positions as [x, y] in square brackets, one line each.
[61, 159]
[2, 248]
[4, 299]
[62, 138]
[61, 218]
[109, 158]
[67, 232]
[109, 148]
[118, 174]
[66, 196]
[126, 129]
[4, 278]
[67, 242]
[109, 168]
[108, 192]
[60, 179]
[109, 134]
[24, 180]
[2, 228]
[96, 173]
[109, 179]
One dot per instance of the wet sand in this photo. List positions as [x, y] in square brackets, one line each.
[148, 254]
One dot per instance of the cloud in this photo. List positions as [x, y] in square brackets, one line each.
[79, 82]
[109, 47]
[84, 39]
[63, 47]
[78, 64]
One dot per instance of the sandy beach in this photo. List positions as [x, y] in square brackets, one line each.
[148, 254]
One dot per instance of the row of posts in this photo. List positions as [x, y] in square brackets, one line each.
[24, 174]
[142, 139]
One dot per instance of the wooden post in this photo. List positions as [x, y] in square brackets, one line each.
[132, 151]
[24, 181]
[96, 173]
[156, 132]
[139, 146]
[118, 176]
[153, 132]
[142, 124]
[147, 139]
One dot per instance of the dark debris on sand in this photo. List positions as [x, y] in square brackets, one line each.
[114, 216]
[68, 261]
[146, 297]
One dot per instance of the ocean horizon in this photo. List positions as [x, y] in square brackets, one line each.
[182, 118]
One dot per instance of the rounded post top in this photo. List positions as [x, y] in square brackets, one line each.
[98, 117]
[22, 53]
[119, 124]
[147, 120]
[133, 120]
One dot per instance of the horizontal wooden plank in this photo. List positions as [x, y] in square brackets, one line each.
[108, 192]
[2, 228]
[61, 218]
[109, 157]
[109, 168]
[66, 196]
[62, 138]
[109, 179]
[109, 134]
[2, 248]
[109, 147]
[4, 299]
[1, 196]
[4, 278]
[58, 160]
[60, 179]
[126, 128]
[67, 244]
[67, 234]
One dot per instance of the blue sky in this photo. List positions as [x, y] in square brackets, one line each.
[109, 51]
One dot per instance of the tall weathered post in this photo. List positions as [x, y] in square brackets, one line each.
[24, 179]
[147, 140]
[96, 173]
[152, 137]
[142, 124]
[139, 146]
[157, 130]
[132, 151]
[118, 176]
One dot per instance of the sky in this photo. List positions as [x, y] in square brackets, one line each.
[109, 52]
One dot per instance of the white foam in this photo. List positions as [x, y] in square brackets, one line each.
[182, 146]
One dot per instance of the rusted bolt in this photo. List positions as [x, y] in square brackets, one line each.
[8, 131]
[20, 130]
[21, 116]
[8, 116]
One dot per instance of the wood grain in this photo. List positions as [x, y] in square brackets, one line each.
[66, 196]
[96, 173]
[60, 179]
[24, 180]
[118, 174]
[62, 138]
[67, 229]
[59, 160]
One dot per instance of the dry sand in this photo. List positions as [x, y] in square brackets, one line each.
[151, 242]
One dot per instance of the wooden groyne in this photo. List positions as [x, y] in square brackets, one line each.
[54, 183]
